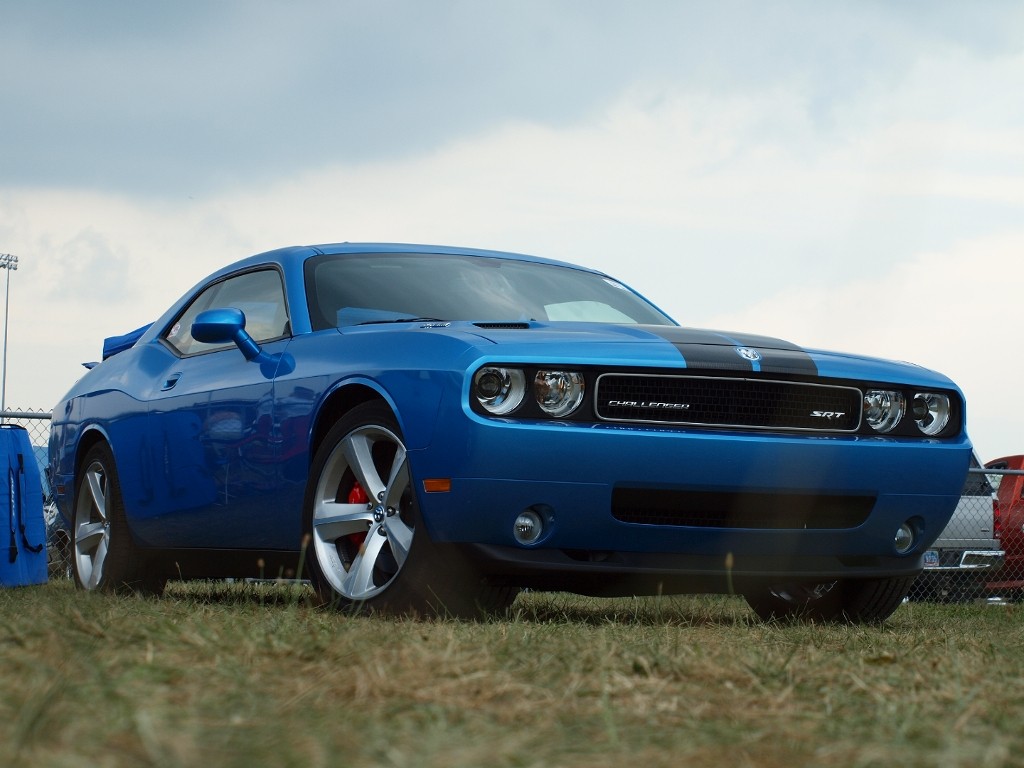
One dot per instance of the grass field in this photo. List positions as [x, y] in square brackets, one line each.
[243, 674]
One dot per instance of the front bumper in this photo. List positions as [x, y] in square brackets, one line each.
[570, 474]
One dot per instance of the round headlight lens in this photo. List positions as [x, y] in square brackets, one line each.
[931, 412]
[499, 390]
[558, 393]
[883, 409]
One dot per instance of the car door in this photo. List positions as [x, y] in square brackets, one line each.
[211, 476]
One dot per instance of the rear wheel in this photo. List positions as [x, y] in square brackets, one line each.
[858, 601]
[103, 555]
[368, 547]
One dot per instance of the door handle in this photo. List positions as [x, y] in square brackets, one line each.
[170, 381]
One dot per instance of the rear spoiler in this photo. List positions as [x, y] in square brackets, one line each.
[115, 344]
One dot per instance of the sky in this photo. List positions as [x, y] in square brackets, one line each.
[844, 175]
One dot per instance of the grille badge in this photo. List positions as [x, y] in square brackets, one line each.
[643, 404]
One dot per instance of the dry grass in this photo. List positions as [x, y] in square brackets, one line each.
[251, 675]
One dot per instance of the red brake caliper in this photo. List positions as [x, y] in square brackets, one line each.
[357, 496]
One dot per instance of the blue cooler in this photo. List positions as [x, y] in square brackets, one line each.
[23, 559]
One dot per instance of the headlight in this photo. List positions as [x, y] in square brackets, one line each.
[931, 412]
[558, 393]
[883, 409]
[499, 390]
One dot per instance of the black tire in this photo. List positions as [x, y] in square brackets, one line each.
[372, 553]
[855, 601]
[104, 557]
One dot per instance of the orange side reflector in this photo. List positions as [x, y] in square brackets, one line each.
[437, 485]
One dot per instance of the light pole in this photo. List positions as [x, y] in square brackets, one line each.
[9, 263]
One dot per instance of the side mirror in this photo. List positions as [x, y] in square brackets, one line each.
[219, 326]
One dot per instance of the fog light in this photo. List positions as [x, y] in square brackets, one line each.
[528, 527]
[904, 539]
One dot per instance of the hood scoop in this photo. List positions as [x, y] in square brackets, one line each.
[504, 326]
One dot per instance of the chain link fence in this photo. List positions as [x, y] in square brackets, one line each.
[979, 555]
[38, 425]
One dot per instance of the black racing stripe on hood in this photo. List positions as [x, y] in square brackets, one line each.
[716, 350]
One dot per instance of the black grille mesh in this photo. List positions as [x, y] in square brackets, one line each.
[703, 509]
[719, 401]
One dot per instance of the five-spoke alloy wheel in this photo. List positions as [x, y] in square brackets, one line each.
[363, 523]
[368, 547]
[103, 555]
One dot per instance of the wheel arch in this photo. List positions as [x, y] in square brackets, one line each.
[338, 403]
[91, 437]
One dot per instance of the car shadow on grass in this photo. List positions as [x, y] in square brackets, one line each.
[681, 610]
[530, 607]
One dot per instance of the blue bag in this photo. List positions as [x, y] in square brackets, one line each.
[23, 559]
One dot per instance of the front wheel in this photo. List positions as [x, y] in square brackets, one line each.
[368, 547]
[857, 601]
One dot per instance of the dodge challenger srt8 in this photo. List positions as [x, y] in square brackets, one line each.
[426, 430]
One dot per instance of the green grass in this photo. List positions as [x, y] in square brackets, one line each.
[244, 675]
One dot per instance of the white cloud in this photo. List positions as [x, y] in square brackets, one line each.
[885, 229]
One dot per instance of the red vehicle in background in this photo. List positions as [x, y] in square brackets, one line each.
[1009, 486]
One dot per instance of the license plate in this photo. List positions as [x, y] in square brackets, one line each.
[931, 559]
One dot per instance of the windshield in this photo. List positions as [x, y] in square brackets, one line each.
[375, 288]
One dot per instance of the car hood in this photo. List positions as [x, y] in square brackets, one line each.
[678, 347]
[659, 344]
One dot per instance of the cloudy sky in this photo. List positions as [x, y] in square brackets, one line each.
[846, 175]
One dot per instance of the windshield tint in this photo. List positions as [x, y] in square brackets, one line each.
[376, 288]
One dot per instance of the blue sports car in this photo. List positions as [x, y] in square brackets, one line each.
[426, 430]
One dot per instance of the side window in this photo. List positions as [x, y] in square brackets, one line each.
[259, 295]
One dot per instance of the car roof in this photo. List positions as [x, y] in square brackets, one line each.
[291, 258]
[299, 253]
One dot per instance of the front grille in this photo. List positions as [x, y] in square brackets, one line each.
[709, 509]
[727, 402]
